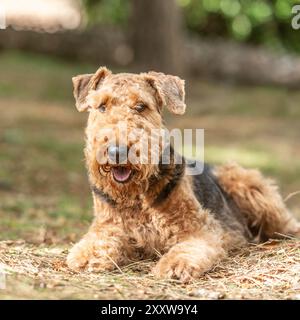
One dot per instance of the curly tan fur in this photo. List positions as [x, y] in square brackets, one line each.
[258, 199]
[157, 213]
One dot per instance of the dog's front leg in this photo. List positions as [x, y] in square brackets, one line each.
[190, 258]
[99, 250]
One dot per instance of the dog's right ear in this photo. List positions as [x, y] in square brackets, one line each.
[83, 83]
[81, 89]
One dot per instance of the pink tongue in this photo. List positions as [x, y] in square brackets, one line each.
[121, 174]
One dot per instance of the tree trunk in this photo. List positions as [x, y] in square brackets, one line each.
[156, 34]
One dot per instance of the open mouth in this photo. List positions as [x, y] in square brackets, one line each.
[121, 174]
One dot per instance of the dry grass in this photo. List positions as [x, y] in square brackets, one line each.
[266, 271]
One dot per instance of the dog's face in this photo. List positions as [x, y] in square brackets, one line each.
[124, 119]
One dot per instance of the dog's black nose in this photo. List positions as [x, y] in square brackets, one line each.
[117, 154]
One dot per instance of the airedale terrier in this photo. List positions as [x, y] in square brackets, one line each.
[144, 211]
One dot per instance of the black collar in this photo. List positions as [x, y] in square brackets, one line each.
[173, 172]
[104, 196]
[175, 176]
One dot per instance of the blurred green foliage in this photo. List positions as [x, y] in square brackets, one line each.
[107, 11]
[266, 22]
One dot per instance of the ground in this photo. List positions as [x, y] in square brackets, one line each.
[45, 202]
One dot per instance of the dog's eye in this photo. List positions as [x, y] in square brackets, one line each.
[140, 107]
[102, 108]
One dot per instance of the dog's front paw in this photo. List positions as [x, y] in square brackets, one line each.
[90, 256]
[177, 267]
[79, 256]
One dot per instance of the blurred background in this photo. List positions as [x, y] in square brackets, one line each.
[240, 59]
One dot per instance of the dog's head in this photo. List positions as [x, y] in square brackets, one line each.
[125, 118]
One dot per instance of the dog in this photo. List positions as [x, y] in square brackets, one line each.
[159, 211]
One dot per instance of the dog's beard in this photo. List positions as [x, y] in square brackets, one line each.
[127, 180]
[124, 173]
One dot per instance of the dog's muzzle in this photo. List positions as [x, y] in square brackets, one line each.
[118, 160]
[117, 154]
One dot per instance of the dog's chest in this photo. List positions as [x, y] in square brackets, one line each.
[148, 235]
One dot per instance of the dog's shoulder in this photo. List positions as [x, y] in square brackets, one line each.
[211, 196]
[206, 187]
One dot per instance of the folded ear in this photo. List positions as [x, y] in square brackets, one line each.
[83, 83]
[170, 91]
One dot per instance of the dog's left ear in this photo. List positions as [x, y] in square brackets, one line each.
[83, 83]
[170, 91]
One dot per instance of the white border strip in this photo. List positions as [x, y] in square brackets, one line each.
[2, 17]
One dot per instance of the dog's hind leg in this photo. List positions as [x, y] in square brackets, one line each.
[258, 198]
